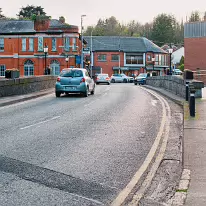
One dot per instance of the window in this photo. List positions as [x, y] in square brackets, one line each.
[102, 57]
[55, 66]
[149, 57]
[28, 68]
[74, 46]
[134, 59]
[67, 44]
[71, 73]
[54, 44]
[40, 43]
[31, 44]
[2, 70]
[1, 44]
[23, 42]
[156, 59]
[115, 57]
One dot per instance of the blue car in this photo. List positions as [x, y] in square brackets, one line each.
[74, 80]
[140, 79]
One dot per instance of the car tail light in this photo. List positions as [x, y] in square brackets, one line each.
[58, 79]
[107, 78]
[83, 80]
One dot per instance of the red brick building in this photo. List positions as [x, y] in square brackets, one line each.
[195, 49]
[22, 45]
[129, 55]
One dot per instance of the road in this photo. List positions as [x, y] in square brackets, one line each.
[74, 150]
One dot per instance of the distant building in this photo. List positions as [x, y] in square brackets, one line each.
[22, 45]
[129, 55]
[177, 55]
[195, 48]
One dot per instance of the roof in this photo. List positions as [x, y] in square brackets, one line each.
[195, 29]
[27, 26]
[16, 26]
[177, 55]
[126, 44]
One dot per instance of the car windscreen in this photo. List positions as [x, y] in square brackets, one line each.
[103, 75]
[71, 73]
[142, 75]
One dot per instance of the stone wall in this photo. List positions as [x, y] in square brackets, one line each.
[25, 85]
[171, 83]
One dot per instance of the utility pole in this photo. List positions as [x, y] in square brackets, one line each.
[82, 39]
[91, 54]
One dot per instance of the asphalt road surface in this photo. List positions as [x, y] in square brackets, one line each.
[74, 150]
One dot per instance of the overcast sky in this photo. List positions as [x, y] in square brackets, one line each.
[124, 11]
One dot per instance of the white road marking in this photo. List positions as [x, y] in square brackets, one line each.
[154, 102]
[128, 189]
[48, 120]
[91, 200]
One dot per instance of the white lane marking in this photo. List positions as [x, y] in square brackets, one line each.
[91, 200]
[154, 102]
[139, 194]
[48, 120]
[128, 189]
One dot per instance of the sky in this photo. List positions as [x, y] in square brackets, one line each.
[124, 11]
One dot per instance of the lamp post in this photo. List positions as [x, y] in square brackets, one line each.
[67, 61]
[153, 63]
[45, 53]
[170, 52]
[91, 54]
[82, 56]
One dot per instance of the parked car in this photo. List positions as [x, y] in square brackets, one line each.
[103, 78]
[121, 78]
[177, 72]
[74, 80]
[140, 79]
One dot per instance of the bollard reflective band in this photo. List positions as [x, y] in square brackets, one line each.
[192, 95]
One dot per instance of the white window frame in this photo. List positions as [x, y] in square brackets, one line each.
[54, 44]
[23, 44]
[31, 44]
[1, 44]
[2, 67]
[40, 43]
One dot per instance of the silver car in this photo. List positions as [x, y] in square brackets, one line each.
[74, 80]
[102, 78]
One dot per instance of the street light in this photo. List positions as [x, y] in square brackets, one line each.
[67, 60]
[91, 54]
[153, 62]
[82, 56]
[45, 53]
[170, 52]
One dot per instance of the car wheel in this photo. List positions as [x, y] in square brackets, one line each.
[113, 81]
[92, 92]
[125, 80]
[135, 83]
[108, 83]
[86, 94]
[58, 94]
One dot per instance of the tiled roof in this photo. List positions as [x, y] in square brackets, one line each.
[54, 23]
[126, 44]
[16, 26]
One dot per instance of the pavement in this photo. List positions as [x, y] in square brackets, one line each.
[192, 187]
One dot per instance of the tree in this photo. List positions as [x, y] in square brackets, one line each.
[30, 11]
[1, 15]
[182, 60]
[195, 16]
[163, 30]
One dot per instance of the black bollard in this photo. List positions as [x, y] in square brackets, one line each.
[192, 103]
[187, 91]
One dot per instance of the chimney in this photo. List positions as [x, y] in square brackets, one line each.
[62, 19]
[41, 23]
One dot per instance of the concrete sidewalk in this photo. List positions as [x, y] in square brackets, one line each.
[194, 148]
[195, 153]
[20, 98]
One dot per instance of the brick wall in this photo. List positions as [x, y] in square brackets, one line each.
[195, 50]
